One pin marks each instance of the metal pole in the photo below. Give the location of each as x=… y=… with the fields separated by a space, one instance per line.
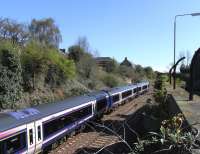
x=174 y=40
x=174 y=74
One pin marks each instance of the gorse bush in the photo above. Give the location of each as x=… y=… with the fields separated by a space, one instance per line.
x=42 y=64
x=10 y=75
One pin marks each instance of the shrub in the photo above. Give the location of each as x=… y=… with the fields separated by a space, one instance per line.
x=172 y=138
x=110 y=80
x=10 y=76
x=42 y=64
x=75 y=53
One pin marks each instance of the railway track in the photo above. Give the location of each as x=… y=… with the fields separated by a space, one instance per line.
x=102 y=133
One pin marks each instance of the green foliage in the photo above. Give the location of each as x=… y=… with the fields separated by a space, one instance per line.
x=10 y=76
x=87 y=66
x=171 y=138
x=75 y=53
x=139 y=69
x=42 y=63
x=149 y=72
x=110 y=80
x=159 y=82
x=112 y=67
x=126 y=71
x=160 y=94
x=65 y=65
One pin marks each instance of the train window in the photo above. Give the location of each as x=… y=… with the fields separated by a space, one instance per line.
x=31 y=136
x=50 y=127
x=39 y=132
x=14 y=144
x=79 y=114
x=135 y=90
x=101 y=104
x=61 y=122
x=144 y=87
x=126 y=93
x=115 y=98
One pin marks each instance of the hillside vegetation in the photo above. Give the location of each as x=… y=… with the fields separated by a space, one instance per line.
x=33 y=70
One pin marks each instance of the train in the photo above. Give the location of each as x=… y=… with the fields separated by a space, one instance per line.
x=33 y=130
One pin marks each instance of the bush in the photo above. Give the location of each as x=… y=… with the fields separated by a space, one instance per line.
x=43 y=64
x=126 y=71
x=171 y=138
x=160 y=90
x=159 y=82
x=10 y=76
x=110 y=80
x=75 y=53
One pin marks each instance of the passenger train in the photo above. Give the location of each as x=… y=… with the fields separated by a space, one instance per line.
x=34 y=129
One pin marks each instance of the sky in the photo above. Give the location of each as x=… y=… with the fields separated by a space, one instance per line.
x=141 y=30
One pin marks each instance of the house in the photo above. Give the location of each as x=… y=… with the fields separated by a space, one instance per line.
x=127 y=63
x=103 y=61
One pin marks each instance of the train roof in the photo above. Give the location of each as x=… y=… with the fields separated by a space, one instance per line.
x=98 y=94
x=14 y=119
x=120 y=89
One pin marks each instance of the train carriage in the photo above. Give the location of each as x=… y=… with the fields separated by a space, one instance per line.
x=33 y=129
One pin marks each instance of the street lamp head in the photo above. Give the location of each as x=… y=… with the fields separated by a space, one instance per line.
x=195 y=14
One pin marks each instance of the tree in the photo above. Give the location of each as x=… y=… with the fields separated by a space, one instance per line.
x=11 y=30
x=111 y=66
x=139 y=69
x=75 y=53
x=45 y=31
x=126 y=71
x=87 y=66
x=83 y=43
x=149 y=72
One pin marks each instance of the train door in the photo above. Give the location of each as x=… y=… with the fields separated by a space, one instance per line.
x=38 y=136
x=31 y=137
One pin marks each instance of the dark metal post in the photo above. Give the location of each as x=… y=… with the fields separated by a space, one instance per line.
x=170 y=74
x=191 y=82
x=174 y=72
x=174 y=75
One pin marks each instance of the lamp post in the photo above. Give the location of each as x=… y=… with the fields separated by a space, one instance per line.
x=180 y=15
